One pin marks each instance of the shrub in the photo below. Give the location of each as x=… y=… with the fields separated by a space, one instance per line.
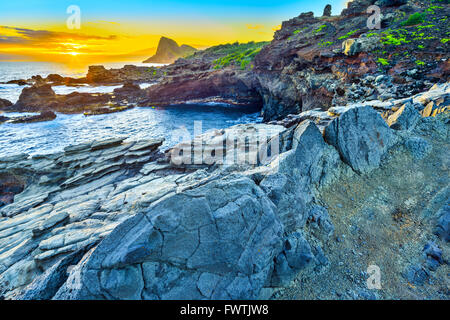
x=348 y=34
x=413 y=19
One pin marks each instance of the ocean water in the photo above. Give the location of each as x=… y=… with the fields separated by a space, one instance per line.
x=134 y=124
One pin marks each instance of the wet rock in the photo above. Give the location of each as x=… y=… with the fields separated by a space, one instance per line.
x=99 y=74
x=361 y=137
x=221 y=86
x=106 y=144
x=19 y=82
x=55 y=78
x=129 y=91
x=129 y=73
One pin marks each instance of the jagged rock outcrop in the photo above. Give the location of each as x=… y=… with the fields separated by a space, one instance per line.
x=322 y=62
x=137 y=225
x=168 y=51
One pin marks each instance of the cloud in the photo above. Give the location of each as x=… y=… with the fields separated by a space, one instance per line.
x=254 y=27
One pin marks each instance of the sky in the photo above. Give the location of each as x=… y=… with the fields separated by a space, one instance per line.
x=37 y=30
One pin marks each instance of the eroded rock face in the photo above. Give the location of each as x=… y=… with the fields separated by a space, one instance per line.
x=99 y=74
x=57 y=208
x=361 y=136
x=168 y=51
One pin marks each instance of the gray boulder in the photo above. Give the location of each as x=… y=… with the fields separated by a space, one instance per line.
x=215 y=241
x=361 y=137
x=296 y=255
